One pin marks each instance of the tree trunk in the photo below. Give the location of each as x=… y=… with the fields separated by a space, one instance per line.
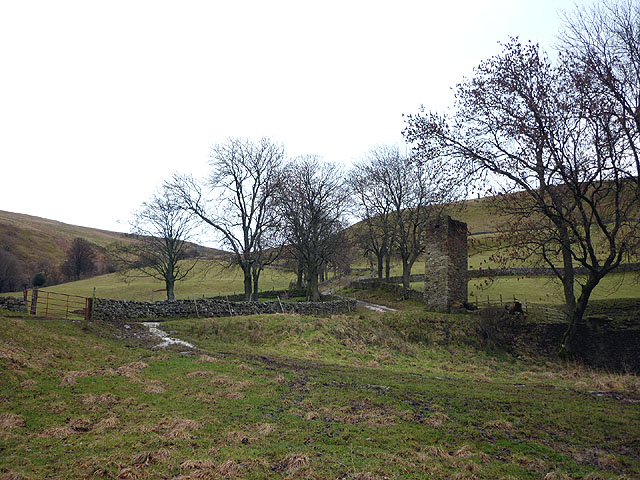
x=568 y=279
x=256 y=277
x=247 y=283
x=300 y=273
x=380 y=265
x=313 y=293
x=169 y=287
x=387 y=267
x=406 y=273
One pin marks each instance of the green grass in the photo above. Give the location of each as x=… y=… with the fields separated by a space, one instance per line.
x=209 y=279
x=545 y=289
x=348 y=396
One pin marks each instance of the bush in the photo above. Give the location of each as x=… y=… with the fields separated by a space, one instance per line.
x=39 y=279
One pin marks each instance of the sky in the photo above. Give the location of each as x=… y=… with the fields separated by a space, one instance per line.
x=101 y=101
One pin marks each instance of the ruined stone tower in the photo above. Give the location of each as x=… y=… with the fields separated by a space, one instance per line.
x=445 y=281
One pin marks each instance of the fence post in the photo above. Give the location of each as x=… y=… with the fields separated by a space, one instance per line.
x=92 y=305
x=34 y=301
x=281 y=307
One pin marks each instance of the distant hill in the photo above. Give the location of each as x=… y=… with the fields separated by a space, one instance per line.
x=40 y=241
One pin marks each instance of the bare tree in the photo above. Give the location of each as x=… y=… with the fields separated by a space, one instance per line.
x=415 y=189
x=236 y=201
x=374 y=207
x=162 y=231
x=542 y=131
x=604 y=41
x=312 y=202
x=80 y=260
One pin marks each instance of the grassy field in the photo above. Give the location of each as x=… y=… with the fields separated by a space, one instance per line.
x=547 y=290
x=210 y=279
x=360 y=396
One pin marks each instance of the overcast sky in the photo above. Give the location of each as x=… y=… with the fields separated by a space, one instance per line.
x=102 y=101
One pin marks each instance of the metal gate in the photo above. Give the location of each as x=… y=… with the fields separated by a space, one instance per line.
x=57 y=305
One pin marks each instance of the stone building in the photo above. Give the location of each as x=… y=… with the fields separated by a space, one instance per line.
x=446 y=252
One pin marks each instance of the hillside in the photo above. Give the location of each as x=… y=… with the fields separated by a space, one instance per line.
x=40 y=241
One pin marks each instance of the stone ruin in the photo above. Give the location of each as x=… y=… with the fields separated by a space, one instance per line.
x=445 y=284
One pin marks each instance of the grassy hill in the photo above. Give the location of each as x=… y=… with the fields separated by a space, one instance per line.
x=39 y=241
x=359 y=396
x=34 y=239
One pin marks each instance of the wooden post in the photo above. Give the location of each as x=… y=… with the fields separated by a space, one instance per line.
x=34 y=301
x=281 y=307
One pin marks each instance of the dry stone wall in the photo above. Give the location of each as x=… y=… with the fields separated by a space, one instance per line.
x=105 y=309
x=13 y=304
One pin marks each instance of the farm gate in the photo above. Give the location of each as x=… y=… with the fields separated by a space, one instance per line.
x=57 y=305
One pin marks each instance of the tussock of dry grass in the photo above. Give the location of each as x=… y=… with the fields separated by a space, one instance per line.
x=28 y=384
x=367 y=476
x=233 y=395
x=9 y=421
x=10 y=476
x=503 y=425
x=177 y=427
x=107 y=424
x=263 y=428
x=131 y=370
x=534 y=464
x=155 y=389
x=229 y=468
x=107 y=399
x=200 y=374
x=57 y=432
x=435 y=451
x=293 y=462
x=464 y=452
x=437 y=419
x=209 y=359
x=556 y=476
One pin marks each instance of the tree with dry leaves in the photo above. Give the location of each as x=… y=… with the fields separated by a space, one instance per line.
x=544 y=136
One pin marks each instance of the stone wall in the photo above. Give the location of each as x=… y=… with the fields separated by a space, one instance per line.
x=542 y=271
x=105 y=309
x=445 y=265
x=289 y=293
x=13 y=304
x=595 y=343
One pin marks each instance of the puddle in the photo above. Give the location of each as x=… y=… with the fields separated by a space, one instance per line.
x=167 y=340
